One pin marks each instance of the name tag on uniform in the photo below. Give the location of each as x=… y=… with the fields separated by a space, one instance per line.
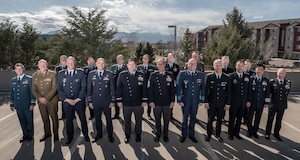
x=47 y=80
x=264 y=83
x=234 y=81
x=25 y=82
x=140 y=83
x=287 y=86
x=105 y=78
x=168 y=79
x=223 y=84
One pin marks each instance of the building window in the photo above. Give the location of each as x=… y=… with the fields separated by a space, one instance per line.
x=298 y=46
x=298 y=29
x=290 y=29
x=289 y=46
x=298 y=38
x=291 y=38
x=274 y=30
x=282 y=38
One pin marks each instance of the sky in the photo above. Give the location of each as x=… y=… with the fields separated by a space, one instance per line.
x=147 y=15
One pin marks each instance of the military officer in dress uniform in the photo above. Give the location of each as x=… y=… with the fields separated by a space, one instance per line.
x=171 y=66
x=190 y=91
x=259 y=98
x=240 y=86
x=280 y=89
x=44 y=83
x=71 y=89
x=147 y=69
x=217 y=98
x=101 y=97
x=23 y=101
x=62 y=65
x=117 y=69
x=225 y=68
x=132 y=94
x=200 y=65
x=87 y=69
x=161 y=93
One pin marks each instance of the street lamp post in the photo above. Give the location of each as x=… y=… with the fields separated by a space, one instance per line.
x=174 y=26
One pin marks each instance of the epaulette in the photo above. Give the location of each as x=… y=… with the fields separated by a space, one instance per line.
x=28 y=76
x=79 y=69
x=226 y=74
x=288 y=81
x=62 y=70
x=272 y=80
x=92 y=71
x=210 y=73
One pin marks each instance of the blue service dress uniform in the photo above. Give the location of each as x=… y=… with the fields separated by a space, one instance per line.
x=21 y=98
x=101 y=92
x=147 y=70
x=73 y=87
x=161 y=91
x=117 y=69
x=87 y=70
x=190 y=90
x=174 y=68
x=132 y=92
x=279 y=94
x=259 y=96
x=240 y=88
x=217 y=95
x=57 y=70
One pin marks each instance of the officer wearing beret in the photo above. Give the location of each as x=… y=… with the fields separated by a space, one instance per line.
x=240 y=86
x=23 y=101
x=117 y=69
x=280 y=89
x=71 y=89
x=62 y=65
x=147 y=70
x=132 y=94
x=44 y=83
x=259 y=98
x=190 y=91
x=87 y=69
x=101 y=97
x=174 y=68
x=161 y=93
x=217 y=98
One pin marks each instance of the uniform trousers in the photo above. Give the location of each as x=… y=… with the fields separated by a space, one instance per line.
x=212 y=112
x=138 y=112
x=160 y=111
x=235 y=119
x=26 y=121
x=98 y=114
x=189 y=111
x=253 y=128
x=271 y=114
x=46 y=110
x=70 y=113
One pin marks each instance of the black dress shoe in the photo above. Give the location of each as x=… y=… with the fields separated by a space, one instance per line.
x=138 y=138
x=207 y=138
x=182 y=139
x=249 y=135
x=44 y=138
x=56 y=138
x=172 y=118
x=150 y=118
x=220 y=139
x=69 y=141
x=61 y=118
x=111 y=139
x=97 y=138
x=156 y=138
x=127 y=139
x=87 y=138
x=230 y=137
x=278 y=138
x=193 y=139
x=91 y=117
x=267 y=137
x=238 y=137
x=23 y=139
x=255 y=136
x=166 y=139
x=116 y=117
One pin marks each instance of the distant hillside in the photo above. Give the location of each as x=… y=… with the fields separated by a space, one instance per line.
x=139 y=37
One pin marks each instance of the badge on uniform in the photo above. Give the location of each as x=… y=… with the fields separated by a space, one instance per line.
x=64 y=81
x=25 y=82
x=47 y=80
x=168 y=79
x=168 y=84
x=94 y=77
x=212 y=82
x=106 y=78
x=140 y=83
x=287 y=86
x=246 y=79
x=223 y=84
x=140 y=78
x=185 y=83
x=199 y=80
x=76 y=80
x=264 y=83
x=234 y=81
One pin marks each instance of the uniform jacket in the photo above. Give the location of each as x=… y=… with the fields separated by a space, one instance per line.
x=101 y=90
x=250 y=72
x=21 y=96
x=218 y=91
x=240 y=88
x=147 y=72
x=228 y=70
x=59 y=68
x=71 y=87
x=116 y=71
x=190 y=89
x=45 y=86
x=174 y=69
x=88 y=69
x=260 y=92
x=279 y=93
x=131 y=89
x=161 y=89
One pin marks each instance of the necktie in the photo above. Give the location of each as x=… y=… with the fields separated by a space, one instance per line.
x=281 y=82
x=171 y=65
x=193 y=74
x=71 y=73
x=241 y=76
x=19 y=79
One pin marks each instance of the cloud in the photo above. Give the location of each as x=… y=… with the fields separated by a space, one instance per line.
x=258 y=17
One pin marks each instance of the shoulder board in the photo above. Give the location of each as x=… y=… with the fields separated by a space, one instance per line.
x=225 y=74
x=93 y=71
x=289 y=81
x=210 y=74
x=14 y=78
x=51 y=71
x=79 y=69
x=27 y=76
x=272 y=80
x=139 y=72
x=62 y=70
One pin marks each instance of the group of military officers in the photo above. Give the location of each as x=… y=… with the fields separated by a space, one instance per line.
x=243 y=92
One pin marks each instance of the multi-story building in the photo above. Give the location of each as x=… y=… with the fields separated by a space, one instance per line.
x=282 y=36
